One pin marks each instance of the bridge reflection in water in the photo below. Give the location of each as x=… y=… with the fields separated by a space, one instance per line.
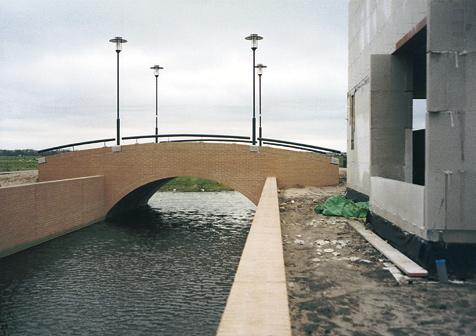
x=167 y=271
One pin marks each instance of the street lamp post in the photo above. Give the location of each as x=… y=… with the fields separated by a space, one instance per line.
x=118 y=41
x=156 y=69
x=254 y=38
x=260 y=68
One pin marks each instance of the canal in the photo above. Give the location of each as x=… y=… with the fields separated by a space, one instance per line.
x=164 y=271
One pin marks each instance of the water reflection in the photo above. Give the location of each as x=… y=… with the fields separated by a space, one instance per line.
x=166 y=271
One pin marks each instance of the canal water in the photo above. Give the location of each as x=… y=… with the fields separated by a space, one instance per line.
x=165 y=271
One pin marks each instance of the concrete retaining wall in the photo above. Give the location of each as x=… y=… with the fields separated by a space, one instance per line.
x=399 y=202
x=258 y=301
x=33 y=213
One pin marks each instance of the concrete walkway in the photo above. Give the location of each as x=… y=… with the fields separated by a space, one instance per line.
x=258 y=301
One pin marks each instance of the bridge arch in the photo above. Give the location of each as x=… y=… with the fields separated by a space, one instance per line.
x=139 y=196
x=138 y=170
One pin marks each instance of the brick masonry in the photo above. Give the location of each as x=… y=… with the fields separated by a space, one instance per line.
x=79 y=188
x=33 y=213
x=236 y=166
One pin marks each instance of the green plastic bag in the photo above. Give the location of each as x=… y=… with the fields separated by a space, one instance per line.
x=342 y=207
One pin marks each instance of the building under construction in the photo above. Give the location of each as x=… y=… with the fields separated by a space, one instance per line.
x=412 y=122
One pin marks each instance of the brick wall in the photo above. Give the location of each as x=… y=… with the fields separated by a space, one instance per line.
x=231 y=164
x=33 y=213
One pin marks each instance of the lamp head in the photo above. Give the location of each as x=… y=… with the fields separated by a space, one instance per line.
x=254 y=38
x=260 y=68
x=118 y=41
x=156 y=69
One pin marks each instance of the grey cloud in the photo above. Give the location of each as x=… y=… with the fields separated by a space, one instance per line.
x=57 y=65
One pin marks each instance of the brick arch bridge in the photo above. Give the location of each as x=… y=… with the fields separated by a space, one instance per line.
x=132 y=173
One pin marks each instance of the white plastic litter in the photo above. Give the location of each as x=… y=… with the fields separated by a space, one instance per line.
x=321 y=242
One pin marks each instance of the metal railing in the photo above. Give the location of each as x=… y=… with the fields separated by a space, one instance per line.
x=294 y=147
x=187 y=135
x=206 y=138
x=76 y=144
x=298 y=145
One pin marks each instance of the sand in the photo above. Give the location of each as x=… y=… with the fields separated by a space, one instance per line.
x=18 y=177
x=337 y=284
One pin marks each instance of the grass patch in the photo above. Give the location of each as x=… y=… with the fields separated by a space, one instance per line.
x=13 y=163
x=192 y=184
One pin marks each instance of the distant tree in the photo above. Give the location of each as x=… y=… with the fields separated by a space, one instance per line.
x=28 y=152
x=18 y=152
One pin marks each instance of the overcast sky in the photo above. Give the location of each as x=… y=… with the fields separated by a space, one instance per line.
x=57 y=69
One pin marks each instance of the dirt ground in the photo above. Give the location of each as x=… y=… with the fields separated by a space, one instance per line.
x=18 y=177
x=337 y=284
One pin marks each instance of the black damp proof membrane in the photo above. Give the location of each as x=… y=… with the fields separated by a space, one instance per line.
x=355 y=195
x=460 y=258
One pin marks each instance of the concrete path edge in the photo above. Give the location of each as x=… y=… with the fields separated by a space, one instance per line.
x=258 y=300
